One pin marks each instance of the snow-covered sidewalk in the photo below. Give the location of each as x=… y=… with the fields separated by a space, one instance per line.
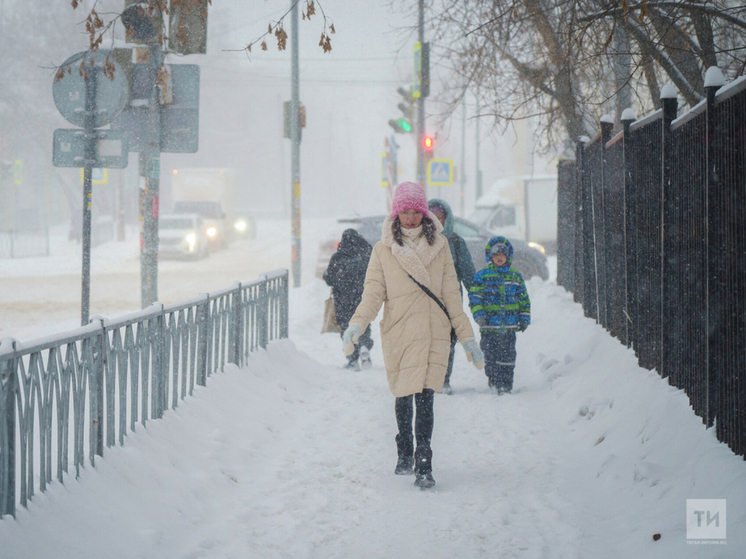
x=591 y=456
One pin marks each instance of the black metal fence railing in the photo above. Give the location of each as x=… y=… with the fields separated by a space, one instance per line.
x=101 y=380
x=652 y=243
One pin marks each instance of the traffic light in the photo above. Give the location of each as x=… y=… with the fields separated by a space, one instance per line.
x=143 y=23
x=428 y=143
x=403 y=124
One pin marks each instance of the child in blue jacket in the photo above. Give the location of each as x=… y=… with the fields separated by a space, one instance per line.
x=499 y=302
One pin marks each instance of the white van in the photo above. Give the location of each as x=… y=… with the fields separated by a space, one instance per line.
x=521 y=207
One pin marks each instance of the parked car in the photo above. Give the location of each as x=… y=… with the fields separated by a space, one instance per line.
x=527 y=260
x=182 y=236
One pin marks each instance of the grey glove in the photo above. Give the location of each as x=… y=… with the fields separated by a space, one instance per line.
x=522 y=325
x=474 y=353
x=350 y=337
x=482 y=321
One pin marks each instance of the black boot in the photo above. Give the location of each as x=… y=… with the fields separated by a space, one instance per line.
x=423 y=468
x=405 y=448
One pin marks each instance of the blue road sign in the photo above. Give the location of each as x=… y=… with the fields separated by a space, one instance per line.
x=440 y=172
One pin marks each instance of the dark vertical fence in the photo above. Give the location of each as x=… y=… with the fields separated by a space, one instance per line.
x=652 y=243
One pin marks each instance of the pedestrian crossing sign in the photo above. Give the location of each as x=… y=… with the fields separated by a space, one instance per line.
x=98 y=175
x=440 y=172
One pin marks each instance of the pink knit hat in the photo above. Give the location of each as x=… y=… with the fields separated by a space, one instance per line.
x=409 y=196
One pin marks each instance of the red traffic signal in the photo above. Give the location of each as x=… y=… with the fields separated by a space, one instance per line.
x=428 y=143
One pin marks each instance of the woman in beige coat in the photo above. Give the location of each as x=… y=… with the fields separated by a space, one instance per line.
x=415 y=329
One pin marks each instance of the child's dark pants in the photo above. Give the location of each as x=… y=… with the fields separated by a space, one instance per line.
x=499 y=358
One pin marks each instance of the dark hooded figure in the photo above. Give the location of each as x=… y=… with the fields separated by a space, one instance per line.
x=346 y=276
x=461 y=261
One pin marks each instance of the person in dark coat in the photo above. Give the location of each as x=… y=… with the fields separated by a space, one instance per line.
x=346 y=276
x=461 y=260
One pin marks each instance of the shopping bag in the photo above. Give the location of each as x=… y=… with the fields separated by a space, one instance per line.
x=330 y=317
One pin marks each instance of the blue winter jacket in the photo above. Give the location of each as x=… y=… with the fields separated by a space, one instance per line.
x=499 y=294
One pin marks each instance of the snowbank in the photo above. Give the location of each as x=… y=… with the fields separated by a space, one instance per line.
x=292 y=456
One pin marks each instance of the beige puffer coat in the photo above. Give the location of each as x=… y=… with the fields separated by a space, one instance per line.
x=415 y=332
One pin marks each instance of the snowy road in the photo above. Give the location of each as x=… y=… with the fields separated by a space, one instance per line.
x=293 y=457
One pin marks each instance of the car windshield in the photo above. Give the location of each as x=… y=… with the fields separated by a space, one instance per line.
x=175 y=223
x=210 y=210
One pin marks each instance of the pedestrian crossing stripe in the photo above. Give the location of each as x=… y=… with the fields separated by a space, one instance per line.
x=440 y=172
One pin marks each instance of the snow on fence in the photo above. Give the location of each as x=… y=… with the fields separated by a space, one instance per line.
x=101 y=379
x=652 y=242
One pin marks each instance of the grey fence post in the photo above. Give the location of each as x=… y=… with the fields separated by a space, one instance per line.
x=97 y=407
x=262 y=313
x=285 y=308
x=202 y=336
x=8 y=434
x=236 y=330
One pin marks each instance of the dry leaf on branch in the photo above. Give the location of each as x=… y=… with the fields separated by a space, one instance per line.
x=643 y=11
x=264 y=45
x=282 y=38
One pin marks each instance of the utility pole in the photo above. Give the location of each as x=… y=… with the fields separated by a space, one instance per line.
x=89 y=158
x=463 y=156
x=295 y=140
x=150 y=173
x=421 y=178
x=479 y=170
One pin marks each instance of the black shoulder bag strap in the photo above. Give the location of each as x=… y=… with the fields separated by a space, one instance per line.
x=434 y=298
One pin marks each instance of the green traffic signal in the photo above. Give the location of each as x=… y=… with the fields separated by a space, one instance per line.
x=400 y=125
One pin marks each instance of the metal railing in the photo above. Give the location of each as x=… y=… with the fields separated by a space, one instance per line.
x=102 y=379
x=656 y=247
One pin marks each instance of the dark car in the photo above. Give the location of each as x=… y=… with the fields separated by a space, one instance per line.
x=528 y=261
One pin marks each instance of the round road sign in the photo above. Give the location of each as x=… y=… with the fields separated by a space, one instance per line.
x=69 y=92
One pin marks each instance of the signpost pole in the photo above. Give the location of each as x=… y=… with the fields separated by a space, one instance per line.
x=421 y=103
x=295 y=157
x=89 y=157
x=150 y=167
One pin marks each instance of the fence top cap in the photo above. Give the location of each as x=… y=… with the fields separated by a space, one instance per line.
x=669 y=91
x=714 y=77
x=608 y=119
x=7 y=346
x=628 y=114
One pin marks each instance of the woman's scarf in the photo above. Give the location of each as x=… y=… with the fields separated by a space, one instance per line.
x=417 y=253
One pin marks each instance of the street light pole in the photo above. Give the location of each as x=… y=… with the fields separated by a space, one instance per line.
x=421 y=105
x=89 y=156
x=150 y=170
x=295 y=155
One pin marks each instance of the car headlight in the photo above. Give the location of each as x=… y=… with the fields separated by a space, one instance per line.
x=191 y=240
x=241 y=225
x=538 y=247
x=211 y=231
